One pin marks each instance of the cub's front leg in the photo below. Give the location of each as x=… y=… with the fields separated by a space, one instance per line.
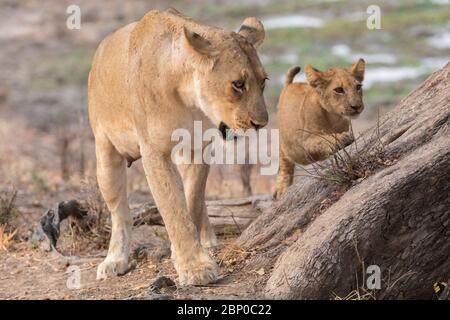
x=320 y=147
x=192 y=262
x=285 y=175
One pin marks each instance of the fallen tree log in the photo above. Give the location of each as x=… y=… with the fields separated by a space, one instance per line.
x=319 y=238
x=223 y=214
x=226 y=216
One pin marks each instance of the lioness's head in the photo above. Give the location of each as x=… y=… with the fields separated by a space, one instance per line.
x=229 y=79
x=340 y=89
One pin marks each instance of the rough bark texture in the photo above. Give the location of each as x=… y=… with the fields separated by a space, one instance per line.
x=320 y=240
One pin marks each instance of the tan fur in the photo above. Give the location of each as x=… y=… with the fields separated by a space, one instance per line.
x=310 y=116
x=148 y=79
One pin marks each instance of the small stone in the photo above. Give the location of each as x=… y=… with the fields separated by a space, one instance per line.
x=161 y=283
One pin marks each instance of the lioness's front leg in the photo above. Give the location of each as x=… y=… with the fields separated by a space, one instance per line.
x=193 y=263
x=112 y=181
x=194 y=181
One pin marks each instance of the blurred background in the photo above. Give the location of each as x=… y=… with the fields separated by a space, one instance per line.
x=46 y=147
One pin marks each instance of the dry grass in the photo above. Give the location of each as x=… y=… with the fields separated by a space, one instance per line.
x=94 y=230
x=232 y=254
x=7 y=208
x=347 y=166
x=7 y=212
x=6 y=239
x=360 y=294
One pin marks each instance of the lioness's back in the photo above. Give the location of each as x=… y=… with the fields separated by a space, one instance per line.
x=108 y=84
x=107 y=79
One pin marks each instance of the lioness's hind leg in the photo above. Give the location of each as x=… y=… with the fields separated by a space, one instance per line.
x=112 y=181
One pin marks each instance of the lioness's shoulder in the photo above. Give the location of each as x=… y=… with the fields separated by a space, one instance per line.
x=170 y=19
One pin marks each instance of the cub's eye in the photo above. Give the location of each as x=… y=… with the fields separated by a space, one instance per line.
x=358 y=87
x=339 y=90
x=239 y=85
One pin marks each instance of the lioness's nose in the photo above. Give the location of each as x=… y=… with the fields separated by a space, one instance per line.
x=356 y=108
x=256 y=125
x=259 y=119
x=259 y=123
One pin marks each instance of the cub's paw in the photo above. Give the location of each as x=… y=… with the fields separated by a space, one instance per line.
x=111 y=267
x=346 y=139
x=198 y=274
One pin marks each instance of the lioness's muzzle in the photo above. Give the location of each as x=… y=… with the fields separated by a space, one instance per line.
x=223 y=130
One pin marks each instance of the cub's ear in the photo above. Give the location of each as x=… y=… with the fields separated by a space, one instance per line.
x=315 y=77
x=199 y=44
x=253 y=30
x=357 y=70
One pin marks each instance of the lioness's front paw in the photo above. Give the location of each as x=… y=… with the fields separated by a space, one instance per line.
x=200 y=274
x=111 y=268
x=209 y=241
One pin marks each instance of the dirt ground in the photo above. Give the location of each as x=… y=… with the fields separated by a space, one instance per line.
x=42 y=139
x=29 y=273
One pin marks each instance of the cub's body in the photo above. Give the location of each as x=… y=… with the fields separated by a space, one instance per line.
x=314 y=118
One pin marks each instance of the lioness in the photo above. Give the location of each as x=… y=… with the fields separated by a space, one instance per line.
x=149 y=78
x=314 y=118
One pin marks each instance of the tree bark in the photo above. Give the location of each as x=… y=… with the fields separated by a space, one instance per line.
x=320 y=238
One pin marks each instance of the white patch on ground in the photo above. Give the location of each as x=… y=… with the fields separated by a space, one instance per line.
x=385 y=74
x=382 y=74
x=292 y=21
x=443 y=2
x=440 y=40
x=393 y=74
x=343 y=51
x=286 y=57
x=435 y=63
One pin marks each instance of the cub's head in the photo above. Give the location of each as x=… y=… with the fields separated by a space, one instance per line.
x=229 y=79
x=340 y=89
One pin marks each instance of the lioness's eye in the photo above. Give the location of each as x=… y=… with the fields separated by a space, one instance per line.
x=339 y=90
x=238 y=85
x=263 y=85
x=358 y=87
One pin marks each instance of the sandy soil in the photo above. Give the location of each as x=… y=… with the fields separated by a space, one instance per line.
x=29 y=273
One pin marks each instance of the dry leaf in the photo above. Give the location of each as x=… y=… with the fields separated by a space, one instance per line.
x=260 y=272
x=6 y=239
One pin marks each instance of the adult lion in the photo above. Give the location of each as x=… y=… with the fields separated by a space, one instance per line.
x=148 y=79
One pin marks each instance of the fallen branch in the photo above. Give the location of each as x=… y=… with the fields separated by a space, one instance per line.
x=223 y=214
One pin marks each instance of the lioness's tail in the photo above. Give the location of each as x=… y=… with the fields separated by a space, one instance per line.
x=290 y=75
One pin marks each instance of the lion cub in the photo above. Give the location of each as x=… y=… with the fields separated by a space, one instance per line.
x=314 y=118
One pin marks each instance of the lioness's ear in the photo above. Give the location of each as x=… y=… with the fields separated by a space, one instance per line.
x=357 y=70
x=315 y=77
x=253 y=30
x=199 y=44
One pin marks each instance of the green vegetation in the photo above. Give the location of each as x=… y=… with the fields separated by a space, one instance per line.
x=406 y=27
x=69 y=67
